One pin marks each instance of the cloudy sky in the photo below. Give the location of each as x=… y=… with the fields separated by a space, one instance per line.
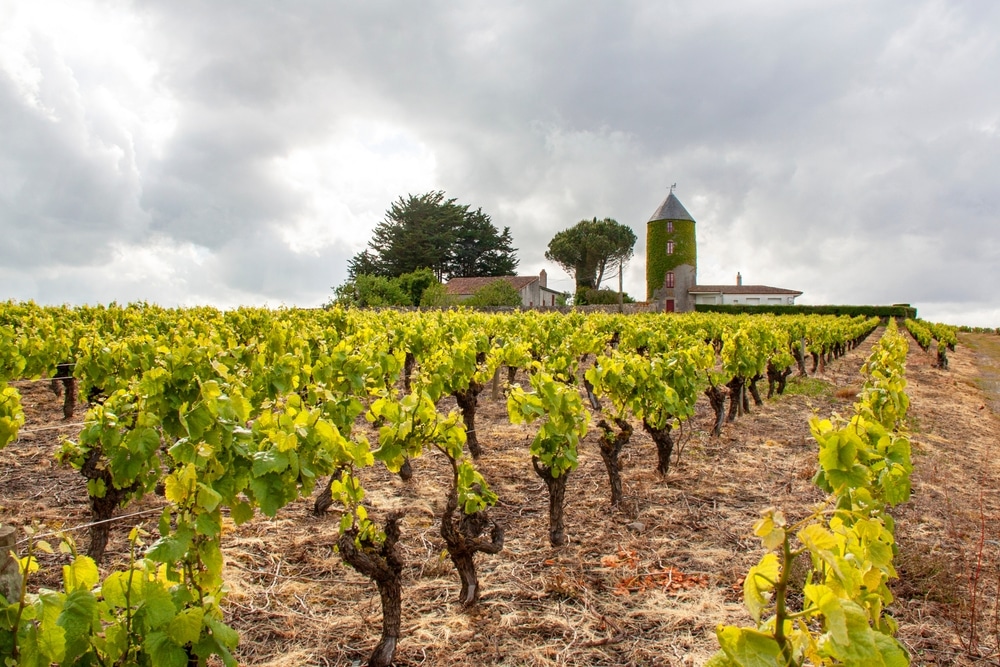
x=239 y=152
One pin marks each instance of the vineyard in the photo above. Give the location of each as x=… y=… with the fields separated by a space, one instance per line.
x=328 y=487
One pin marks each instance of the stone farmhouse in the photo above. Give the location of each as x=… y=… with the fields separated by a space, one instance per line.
x=534 y=290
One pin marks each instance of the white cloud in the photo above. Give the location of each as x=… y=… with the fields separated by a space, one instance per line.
x=347 y=182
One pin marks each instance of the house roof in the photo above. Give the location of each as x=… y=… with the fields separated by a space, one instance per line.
x=671 y=209
x=740 y=289
x=464 y=286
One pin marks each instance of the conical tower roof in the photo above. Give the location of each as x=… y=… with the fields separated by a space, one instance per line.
x=671 y=209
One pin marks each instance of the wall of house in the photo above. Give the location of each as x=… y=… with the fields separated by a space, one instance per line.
x=533 y=296
x=757 y=299
x=530 y=295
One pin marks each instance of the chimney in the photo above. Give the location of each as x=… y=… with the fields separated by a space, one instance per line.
x=543 y=278
x=739 y=278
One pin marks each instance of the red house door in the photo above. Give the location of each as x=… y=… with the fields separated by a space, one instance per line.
x=670 y=306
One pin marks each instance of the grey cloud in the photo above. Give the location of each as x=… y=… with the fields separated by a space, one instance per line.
x=66 y=189
x=260 y=264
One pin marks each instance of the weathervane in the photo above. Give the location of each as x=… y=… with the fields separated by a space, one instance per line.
x=672 y=188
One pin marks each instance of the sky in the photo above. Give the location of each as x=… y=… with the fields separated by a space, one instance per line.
x=240 y=152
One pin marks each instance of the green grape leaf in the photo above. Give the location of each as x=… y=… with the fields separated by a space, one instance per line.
x=81 y=574
x=157 y=605
x=185 y=628
x=78 y=616
x=114 y=588
x=170 y=548
x=241 y=512
x=271 y=460
x=163 y=651
x=759 y=583
x=749 y=648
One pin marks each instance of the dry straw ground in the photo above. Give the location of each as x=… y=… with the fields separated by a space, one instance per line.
x=645 y=585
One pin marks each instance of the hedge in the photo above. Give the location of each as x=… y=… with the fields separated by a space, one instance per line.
x=867 y=311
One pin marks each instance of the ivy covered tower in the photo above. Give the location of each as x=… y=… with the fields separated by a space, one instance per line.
x=671 y=256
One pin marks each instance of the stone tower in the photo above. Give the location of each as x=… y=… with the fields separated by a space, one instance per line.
x=671 y=256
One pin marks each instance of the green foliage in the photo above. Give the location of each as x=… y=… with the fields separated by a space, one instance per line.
x=416 y=283
x=369 y=291
x=564 y=420
x=656 y=388
x=135 y=616
x=11 y=415
x=865 y=467
x=589 y=248
x=497 y=293
x=436 y=296
x=603 y=296
x=980 y=330
x=429 y=231
x=375 y=291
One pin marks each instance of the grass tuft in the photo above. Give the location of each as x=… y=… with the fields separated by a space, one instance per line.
x=808 y=386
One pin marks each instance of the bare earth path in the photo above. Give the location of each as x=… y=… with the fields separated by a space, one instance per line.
x=644 y=585
x=948 y=536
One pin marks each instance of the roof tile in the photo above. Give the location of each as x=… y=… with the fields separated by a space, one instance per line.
x=464 y=286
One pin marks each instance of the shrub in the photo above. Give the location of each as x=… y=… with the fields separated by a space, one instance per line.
x=497 y=293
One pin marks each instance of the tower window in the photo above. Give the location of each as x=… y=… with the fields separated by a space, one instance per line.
x=670 y=226
x=669 y=281
x=670 y=247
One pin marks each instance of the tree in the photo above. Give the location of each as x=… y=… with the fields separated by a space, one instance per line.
x=429 y=231
x=478 y=250
x=587 y=249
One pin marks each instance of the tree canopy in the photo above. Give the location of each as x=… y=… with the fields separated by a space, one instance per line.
x=430 y=231
x=589 y=247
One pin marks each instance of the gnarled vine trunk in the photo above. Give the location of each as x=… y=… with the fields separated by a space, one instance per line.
x=717 y=399
x=64 y=384
x=384 y=565
x=736 y=398
x=467 y=400
x=800 y=359
x=557 y=499
x=463 y=539
x=664 y=446
x=611 y=444
x=102 y=509
x=776 y=380
x=754 y=391
x=595 y=402
x=325 y=497
x=409 y=363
